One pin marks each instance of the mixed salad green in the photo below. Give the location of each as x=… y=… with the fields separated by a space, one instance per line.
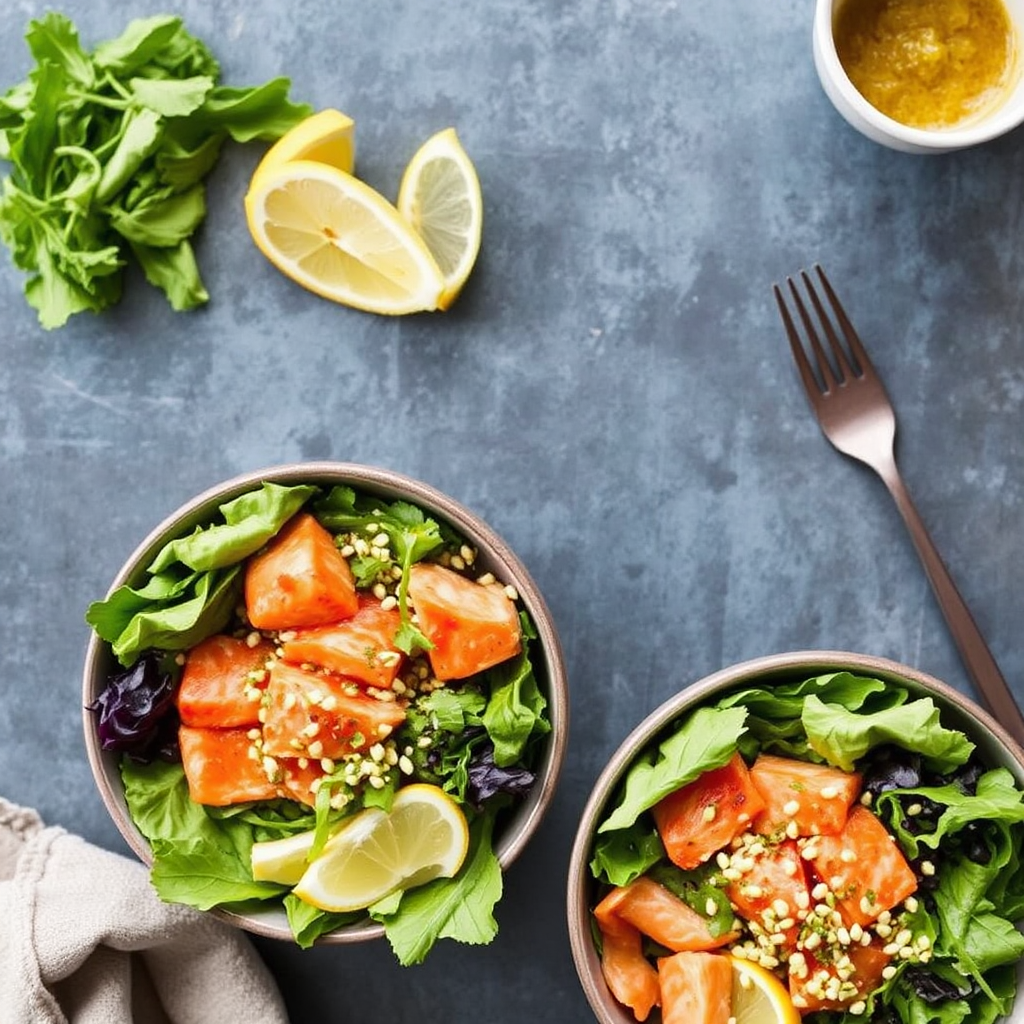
x=479 y=739
x=960 y=820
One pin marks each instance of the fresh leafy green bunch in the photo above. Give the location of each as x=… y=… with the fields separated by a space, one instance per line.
x=109 y=150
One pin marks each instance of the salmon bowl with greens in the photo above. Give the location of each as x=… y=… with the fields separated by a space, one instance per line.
x=327 y=703
x=820 y=837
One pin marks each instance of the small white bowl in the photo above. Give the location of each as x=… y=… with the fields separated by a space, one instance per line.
x=882 y=129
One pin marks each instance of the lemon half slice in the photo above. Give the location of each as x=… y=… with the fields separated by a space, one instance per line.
x=328 y=137
x=758 y=997
x=440 y=197
x=282 y=860
x=338 y=237
x=424 y=836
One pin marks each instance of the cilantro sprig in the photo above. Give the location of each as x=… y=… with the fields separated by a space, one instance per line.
x=108 y=152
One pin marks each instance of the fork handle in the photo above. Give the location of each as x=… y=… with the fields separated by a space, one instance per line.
x=974 y=652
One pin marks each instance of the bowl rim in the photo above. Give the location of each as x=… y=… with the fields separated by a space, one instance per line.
x=389 y=484
x=811 y=661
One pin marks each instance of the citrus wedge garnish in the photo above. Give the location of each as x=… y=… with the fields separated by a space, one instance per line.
x=328 y=137
x=440 y=197
x=424 y=836
x=336 y=236
x=758 y=997
x=282 y=860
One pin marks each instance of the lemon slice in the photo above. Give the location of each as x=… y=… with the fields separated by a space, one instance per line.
x=440 y=197
x=336 y=236
x=282 y=860
x=328 y=137
x=424 y=836
x=758 y=997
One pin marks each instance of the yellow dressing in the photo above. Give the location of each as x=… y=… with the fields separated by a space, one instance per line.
x=928 y=63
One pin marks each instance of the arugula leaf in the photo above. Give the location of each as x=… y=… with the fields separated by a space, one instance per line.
x=621 y=856
x=101 y=144
x=308 y=923
x=460 y=908
x=706 y=740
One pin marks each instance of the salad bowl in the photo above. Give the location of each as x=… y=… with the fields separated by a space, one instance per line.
x=625 y=831
x=519 y=815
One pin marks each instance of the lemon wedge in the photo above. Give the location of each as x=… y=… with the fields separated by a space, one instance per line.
x=374 y=853
x=758 y=997
x=440 y=197
x=336 y=236
x=328 y=137
x=282 y=860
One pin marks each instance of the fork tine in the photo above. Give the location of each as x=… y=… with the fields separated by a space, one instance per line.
x=864 y=364
x=827 y=375
x=811 y=384
x=845 y=368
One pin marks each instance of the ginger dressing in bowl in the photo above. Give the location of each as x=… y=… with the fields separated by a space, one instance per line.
x=932 y=64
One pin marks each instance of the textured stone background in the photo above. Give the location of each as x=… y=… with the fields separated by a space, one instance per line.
x=612 y=391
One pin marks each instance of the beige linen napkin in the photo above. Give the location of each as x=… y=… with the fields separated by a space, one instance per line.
x=84 y=939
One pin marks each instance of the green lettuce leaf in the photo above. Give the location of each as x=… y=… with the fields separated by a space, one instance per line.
x=842 y=737
x=515 y=709
x=250 y=520
x=707 y=739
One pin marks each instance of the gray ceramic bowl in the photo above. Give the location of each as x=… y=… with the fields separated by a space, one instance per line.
x=994 y=745
x=494 y=555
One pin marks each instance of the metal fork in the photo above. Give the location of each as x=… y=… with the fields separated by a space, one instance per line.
x=855 y=414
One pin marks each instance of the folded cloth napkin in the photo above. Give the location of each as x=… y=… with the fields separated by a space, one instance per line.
x=84 y=939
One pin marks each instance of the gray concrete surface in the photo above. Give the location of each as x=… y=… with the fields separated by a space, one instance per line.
x=612 y=391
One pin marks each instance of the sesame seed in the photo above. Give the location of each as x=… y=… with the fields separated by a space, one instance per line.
x=914 y=810
x=486 y=579
x=781 y=907
x=789 y=868
x=388 y=603
x=511 y=593
x=927 y=867
x=911 y=904
x=830 y=792
x=327 y=765
x=405 y=766
x=792 y=829
x=376 y=782
x=708 y=814
x=377 y=752
x=791 y=807
x=820 y=891
x=253 y=639
x=802 y=899
x=813 y=941
x=316 y=749
x=888 y=972
x=866 y=798
x=311 y=729
x=289 y=701
x=847 y=856
x=710 y=907
x=858 y=1008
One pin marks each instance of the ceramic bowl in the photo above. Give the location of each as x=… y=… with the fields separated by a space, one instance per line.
x=494 y=555
x=994 y=744
x=882 y=129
